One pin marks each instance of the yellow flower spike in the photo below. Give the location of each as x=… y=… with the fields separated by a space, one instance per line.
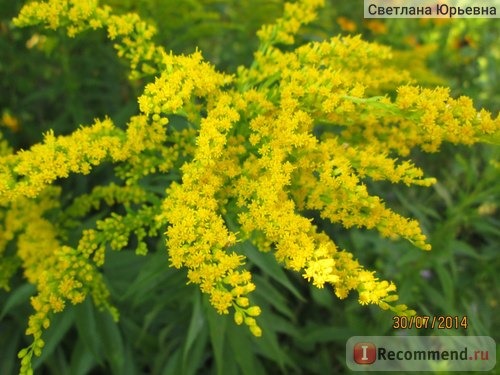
x=59 y=272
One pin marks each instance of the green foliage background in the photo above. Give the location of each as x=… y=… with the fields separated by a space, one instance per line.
x=167 y=327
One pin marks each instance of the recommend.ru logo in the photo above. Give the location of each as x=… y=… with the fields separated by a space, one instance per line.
x=421 y=353
x=364 y=353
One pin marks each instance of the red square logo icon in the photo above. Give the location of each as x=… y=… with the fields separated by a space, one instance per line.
x=365 y=353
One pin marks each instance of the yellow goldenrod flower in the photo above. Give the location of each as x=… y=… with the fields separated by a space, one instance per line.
x=347 y=24
x=10 y=121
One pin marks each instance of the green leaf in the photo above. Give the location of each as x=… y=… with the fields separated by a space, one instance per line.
x=59 y=325
x=10 y=337
x=82 y=360
x=493 y=139
x=268 y=293
x=217 y=327
x=322 y=296
x=321 y=334
x=267 y=262
x=57 y=363
x=195 y=327
x=17 y=297
x=373 y=99
x=443 y=193
x=375 y=102
x=174 y=364
x=112 y=342
x=241 y=347
x=152 y=273
x=197 y=355
x=463 y=248
x=87 y=328
x=437 y=299
x=446 y=283
x=487 y=228
x=120 y=269
x=130 y=366
x=268 y=344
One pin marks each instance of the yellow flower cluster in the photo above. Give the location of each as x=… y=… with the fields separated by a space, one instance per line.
x=325 y=75
x=29 y=172
x=339 y=269
x=60 y=273
x=116 y=231
x=268 y=179
x=340 y=196
x=197 y=235
x=294 y=16
x=298 y=130
x=133 y=34
x=5 y=148
x=422 y=118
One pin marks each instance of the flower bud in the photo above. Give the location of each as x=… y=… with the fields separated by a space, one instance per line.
x=254 y=311
x=242 y=301
x=22 y=353
x=238 y=317
x=256 y=331
x=250 y=322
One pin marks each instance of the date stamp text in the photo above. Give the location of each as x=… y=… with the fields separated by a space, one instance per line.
x=430 y=322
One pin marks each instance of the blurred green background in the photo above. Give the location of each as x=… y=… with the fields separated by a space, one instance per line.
x=50 y=81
